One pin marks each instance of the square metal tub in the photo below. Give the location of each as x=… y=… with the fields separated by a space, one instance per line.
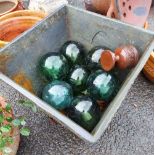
x=70 y=23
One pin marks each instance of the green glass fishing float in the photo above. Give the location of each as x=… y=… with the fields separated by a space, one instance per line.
x=102 y=85
x=58 y=94
x=85 y=112
x=74 y=52
x=54 y=66
x=78 y=78
x=93 y=57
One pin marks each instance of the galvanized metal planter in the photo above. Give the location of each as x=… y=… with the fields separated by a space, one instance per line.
x=69 y=23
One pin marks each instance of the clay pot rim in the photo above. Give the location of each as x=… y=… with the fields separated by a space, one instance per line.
x=26 y=18
x=22 y=13
x=14 y=7
x=39 y=16
x=6 y=23
x=6 y=26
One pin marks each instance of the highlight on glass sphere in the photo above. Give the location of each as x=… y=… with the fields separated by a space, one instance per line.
x=93 y=57
x=85 y=112
x=58 y=94
x=54 y=66
x=74 y=52
x=78 y=78
x=102 y=85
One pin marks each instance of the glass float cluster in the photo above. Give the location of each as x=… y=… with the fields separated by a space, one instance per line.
x=78 y=82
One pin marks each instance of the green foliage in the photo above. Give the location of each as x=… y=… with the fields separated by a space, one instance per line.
x=4 y=140
x=8 y=107
x=9 y=119
x=16 y=122
x=1 y=118
x=6 y=128
x=25 y=131
x=22 y=121
x=6 y=150
x=28 y=104
x=7 y=123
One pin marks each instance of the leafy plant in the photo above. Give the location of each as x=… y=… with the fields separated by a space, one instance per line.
x=8 y=122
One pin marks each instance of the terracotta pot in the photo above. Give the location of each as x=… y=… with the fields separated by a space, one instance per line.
x=15 y=131
x=20 y=6
x=101 y=6
x=20 y=13
x=104 y=7
x=129 y=11
x=7 y=6
x=134 y=12
x=148 y=69
x=11 y=28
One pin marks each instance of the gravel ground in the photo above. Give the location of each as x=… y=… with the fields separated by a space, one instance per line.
x=129 y=133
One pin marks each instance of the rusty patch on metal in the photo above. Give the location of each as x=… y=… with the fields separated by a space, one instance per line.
x=23 y=81
x=4 y=58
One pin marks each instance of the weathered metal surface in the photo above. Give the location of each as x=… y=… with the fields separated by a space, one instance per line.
x=4 y=58
x=88 y=28
x=26 y=52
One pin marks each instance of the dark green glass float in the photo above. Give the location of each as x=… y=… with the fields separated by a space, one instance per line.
x=58 y=94
x=78 y=78
x=85 y=112
x=93 y=57
x=102 y=85
x=74 y=52
x=54 y=66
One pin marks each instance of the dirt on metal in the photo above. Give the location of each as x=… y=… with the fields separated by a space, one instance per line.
x=4 y=58
x=23 y=81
